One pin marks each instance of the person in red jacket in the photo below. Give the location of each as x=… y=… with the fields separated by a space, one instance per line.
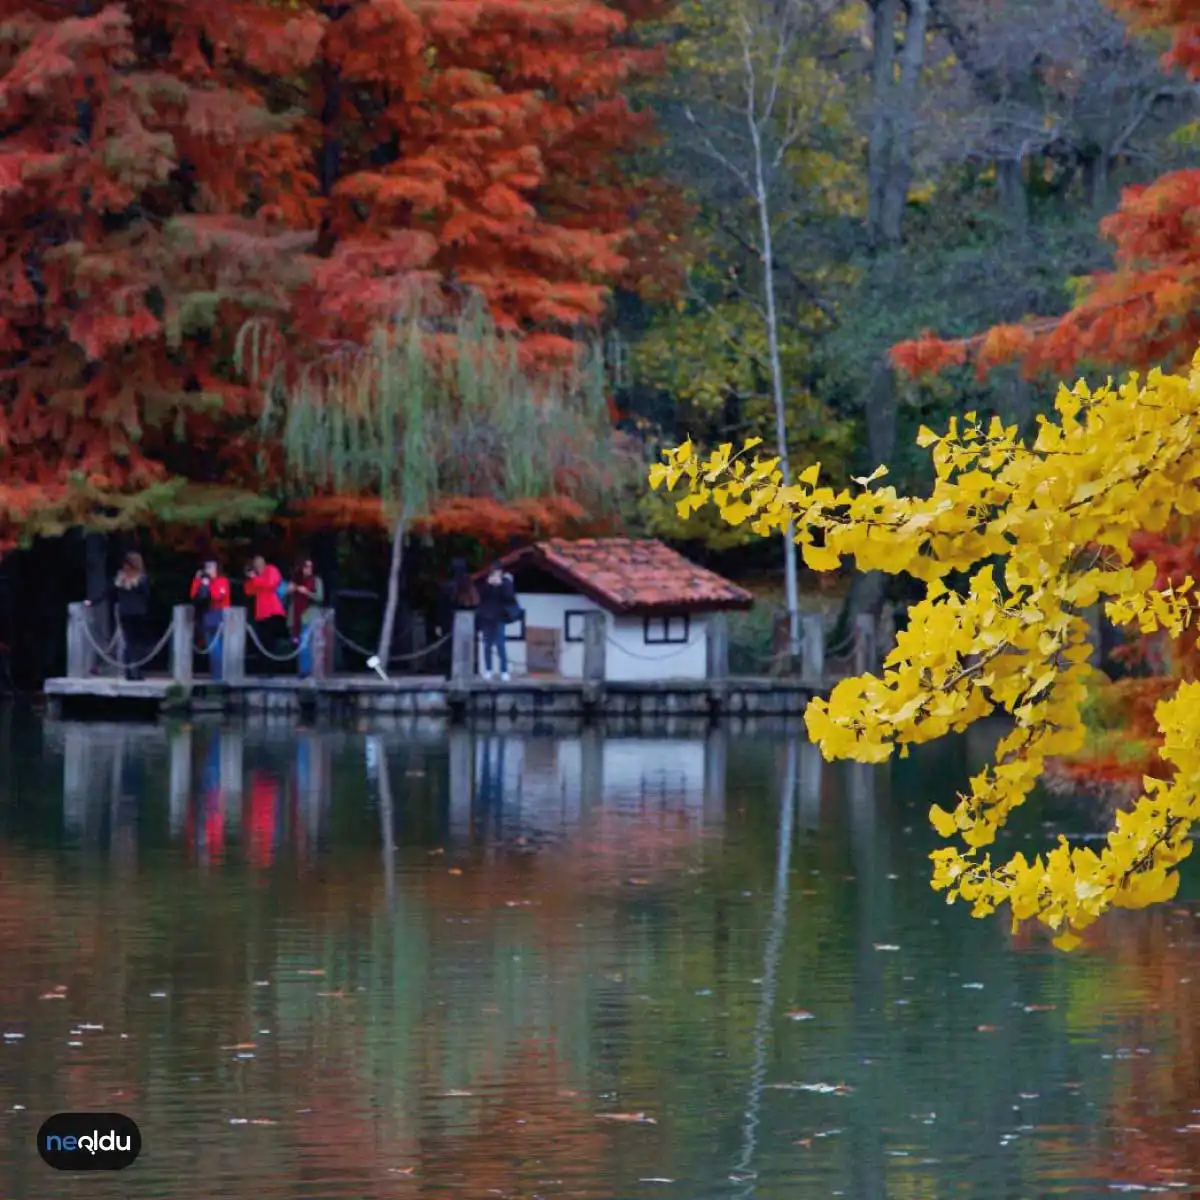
x=211 y=594
x=264 y=583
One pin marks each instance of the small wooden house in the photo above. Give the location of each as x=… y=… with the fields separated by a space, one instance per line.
x=656 y=604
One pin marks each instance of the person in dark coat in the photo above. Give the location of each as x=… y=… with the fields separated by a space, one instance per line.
x=497 y=604
x=456 y=594
x=130 y=597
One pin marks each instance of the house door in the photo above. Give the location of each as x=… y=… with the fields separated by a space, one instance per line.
x=541 y=651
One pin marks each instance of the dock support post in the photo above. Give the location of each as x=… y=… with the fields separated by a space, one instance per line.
x=321 y=647
x=811 y=771
x=80 y=655
x=865 y=644
x=232 y=772
x=887 y=632
x=462 y=657
x=718 y=646
x=233 y=646
x=183 y=643
x=591 y=771
x=716 y=758
x=594 y=644
x=462 y=764
x=181 y=779
x=812 y=650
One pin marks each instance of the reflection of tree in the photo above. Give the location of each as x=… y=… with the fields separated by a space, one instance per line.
x=1152 y=1123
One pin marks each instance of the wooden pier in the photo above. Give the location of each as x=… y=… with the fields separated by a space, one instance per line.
x=357 y=696
x=93 y=687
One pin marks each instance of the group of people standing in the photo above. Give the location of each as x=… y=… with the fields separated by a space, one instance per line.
x=283 y=608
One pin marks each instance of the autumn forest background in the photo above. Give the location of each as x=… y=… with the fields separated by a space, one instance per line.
x=834 y=220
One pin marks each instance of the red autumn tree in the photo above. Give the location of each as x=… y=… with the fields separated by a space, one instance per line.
x=137 y=163
x=167 y=171
x=1146 y=311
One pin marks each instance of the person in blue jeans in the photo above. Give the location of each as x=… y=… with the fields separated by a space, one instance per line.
x=211 y=594
x=497 y=606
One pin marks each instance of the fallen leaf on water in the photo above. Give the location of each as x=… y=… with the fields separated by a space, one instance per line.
x=637 y=882
x=434 y=853
x=314 y=971
x=821 y=1089
x=455 y=871
x=886 y=947
x=263 y=1121
x=656 y=1179
x=333 y=995
x=986 y=1028
x=1030 y=1008
x=54 y=996
x=456 y=1093
x=241 y=1046
x=805 y=1142
x=401 y=1170
x=798 y=1014
x=638 y=1118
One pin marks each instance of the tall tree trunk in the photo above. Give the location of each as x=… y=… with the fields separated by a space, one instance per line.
x=393 y=594
x=879 y=139
x=763 y=201
x=899 y=167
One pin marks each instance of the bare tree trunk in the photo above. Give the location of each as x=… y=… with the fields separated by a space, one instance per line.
x=879 y=139
x=904 y=104
x=763 y=201
x=393 y=597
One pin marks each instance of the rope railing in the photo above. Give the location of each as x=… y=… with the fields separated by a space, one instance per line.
x=290 y=656
x=103 y=654
x=681 y=649
x=394 y=658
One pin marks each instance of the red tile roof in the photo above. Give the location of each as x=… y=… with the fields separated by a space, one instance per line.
x=628 y=576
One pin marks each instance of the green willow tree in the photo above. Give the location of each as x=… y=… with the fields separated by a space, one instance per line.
x=439 y=404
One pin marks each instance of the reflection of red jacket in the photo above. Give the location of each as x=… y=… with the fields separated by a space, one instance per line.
x=261 y=818
x=265 y=590
x=219 y=592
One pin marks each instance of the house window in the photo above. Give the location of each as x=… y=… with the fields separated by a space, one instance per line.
x=667 y=631
x=515 y=630
x=573 y=625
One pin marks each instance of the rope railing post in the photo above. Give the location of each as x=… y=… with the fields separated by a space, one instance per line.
x=233 y=646
x=595 y=643
x=321 y=632
x=865 y=644
x=812 y=650
x=80 y=656
x=718 y=646
x=462 y=657
x=183 y=640
x=887 y=631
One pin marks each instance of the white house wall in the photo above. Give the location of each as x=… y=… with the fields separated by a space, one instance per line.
x=628 y=658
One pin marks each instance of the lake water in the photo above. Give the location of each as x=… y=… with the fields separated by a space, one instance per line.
x=328 y=965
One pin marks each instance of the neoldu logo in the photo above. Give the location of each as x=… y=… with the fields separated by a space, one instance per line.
x=89 y=1141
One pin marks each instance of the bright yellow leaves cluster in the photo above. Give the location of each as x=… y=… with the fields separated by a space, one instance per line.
x=1044 y=532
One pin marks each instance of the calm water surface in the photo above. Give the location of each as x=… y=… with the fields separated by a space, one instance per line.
x=329 y=965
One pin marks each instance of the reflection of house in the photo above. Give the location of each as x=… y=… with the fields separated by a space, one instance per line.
x=550 y=786
x=656 y=607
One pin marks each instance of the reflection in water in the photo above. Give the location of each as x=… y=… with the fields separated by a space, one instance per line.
x=588 y=967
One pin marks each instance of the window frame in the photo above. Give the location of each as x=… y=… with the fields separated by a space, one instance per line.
x=568 y=637
x=665 y=622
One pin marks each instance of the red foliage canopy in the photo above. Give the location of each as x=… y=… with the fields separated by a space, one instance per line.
x=168 y=170
x=1145 y=312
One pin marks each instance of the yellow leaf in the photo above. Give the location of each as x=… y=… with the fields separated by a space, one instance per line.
x=810 y=475
x=820 y=558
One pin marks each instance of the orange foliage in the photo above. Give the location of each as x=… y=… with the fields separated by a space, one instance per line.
x=1145 y=312
x=167 y=170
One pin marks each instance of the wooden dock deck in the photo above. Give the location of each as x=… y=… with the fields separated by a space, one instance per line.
x=532 y=698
